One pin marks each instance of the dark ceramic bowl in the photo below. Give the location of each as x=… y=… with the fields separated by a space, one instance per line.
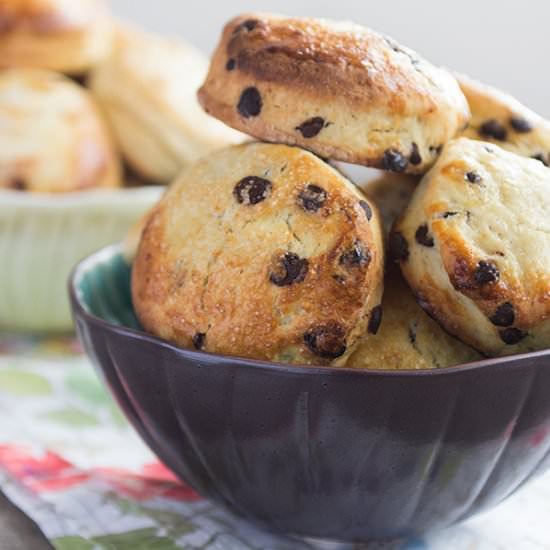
x=320 y=452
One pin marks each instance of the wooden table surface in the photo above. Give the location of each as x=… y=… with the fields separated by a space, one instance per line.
x=17 y=531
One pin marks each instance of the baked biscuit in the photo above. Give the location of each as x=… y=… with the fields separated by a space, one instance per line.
x=59 y=35
x=147 y=88
x=408 y=339
x=499 y=118
x=390 y=193
x=474 y=244
x=261 y=251
x=53 y=138
x=340 y=90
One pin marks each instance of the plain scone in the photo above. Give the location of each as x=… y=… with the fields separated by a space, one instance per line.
x=147 y=87
x=499 y=118
x=340 y=90
x=53 y=137
x=59 y=35
x=261 y=251
x=474 y=245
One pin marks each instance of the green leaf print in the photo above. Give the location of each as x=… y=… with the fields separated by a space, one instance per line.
x=73 y=543
x=142 y=539
x=84 y=383
x=72 y=417
x=21 y=383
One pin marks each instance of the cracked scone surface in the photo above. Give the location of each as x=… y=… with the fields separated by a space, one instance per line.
x=474 y=244
x=59 y=35
x=148 y=87
x=499 y=118
x=340 y=90
x=407 y=338
x=53 y=138
x=261 y=251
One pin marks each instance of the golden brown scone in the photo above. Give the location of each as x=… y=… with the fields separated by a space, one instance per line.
x=147 y=87
x=474 y=244
x=52 y=136
x=390 y=193
x=261 y=251
x=408 y=339
x=59 y=35
x=337 y=89
x=499 y=118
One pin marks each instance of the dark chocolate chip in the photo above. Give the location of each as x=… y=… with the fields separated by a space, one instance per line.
x=399 y=247
x=486 y=273
x=17 y=184
x=504 y=315
x=542 y=158
x=248 y=25
x=394 y=161
x=312 y=197
x=449 y=214
x=423 y=237
x=290 y=269
x=436 y=149
x=472 y=177
x=327 y=340
x=231 y=64
x=412 y=335
x=520 y=125
x=358 y=255
x=366 y=207
x=415 y=158
x=311 y=127
x=511 y=336
x=198 y=340
x=375 y=320
x=250 y=103
x=252 y=190
x=493 y=129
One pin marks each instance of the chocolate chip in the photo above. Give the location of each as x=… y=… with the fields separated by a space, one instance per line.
x=358 y=255
x=412 y=335
x=231 y=64
x=312 y=197
x=542 y=158
x=436 y=150
x=252 y=190
x=311 y=127
x=449 y=214
x=423 y=237
x=504 y=315
x=327 y=340
x=511 y=336
x=394 y=161
x=493 y=129
x=198 y=340
x=366 y=207
x=415 y=158
x=248 y=25
x=472 y=177
x=17 y=184
x=520 y=125
x=486 y=272
x=290 y=269
x=250 y=103
x=399 y=247
x=375 y=320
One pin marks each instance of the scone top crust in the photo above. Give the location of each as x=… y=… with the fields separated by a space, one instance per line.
x=53 y=138
x=261 y=251
x=338 y=89
x=474 y=244
x=63 y=35
x=501 y=119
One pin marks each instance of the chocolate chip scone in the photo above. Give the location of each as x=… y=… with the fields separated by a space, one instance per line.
x=499 y=118
x=407 y=338
x=261 y=251
x=340 y=90
x=52 y=138
x=474 y=245
x=59 y=35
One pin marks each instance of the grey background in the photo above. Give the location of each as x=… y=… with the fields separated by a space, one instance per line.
x=504 y=43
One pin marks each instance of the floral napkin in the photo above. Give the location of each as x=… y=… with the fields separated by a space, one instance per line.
x=71 y=462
